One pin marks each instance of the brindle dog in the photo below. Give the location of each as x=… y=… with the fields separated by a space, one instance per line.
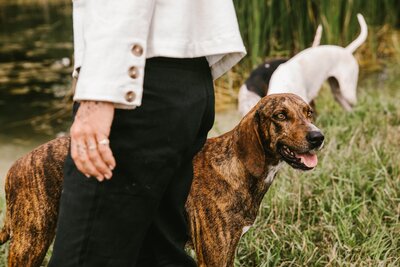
x=232 y=173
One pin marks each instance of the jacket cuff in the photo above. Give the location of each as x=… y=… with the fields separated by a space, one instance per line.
x=113 y=39
x=113 y=70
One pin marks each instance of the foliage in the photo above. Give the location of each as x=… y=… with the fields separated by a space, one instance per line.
x=347 y=211
x=284 y=27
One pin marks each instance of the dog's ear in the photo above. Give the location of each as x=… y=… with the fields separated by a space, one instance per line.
x=250 y=143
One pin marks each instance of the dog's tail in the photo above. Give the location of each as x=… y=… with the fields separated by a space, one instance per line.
x=5 y=233
x=361 y=38
x=317 y=37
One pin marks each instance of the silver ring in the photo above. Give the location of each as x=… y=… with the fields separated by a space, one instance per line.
x=92 y=147
x=104 y=142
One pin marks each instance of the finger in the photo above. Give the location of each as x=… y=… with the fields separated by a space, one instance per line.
x=86 y=166
x=74 y=155
x=105 y=151
x=83 y=162
x=96 y=159
x=76 y=147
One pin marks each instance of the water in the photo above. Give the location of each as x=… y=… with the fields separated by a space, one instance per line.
x=35 y=66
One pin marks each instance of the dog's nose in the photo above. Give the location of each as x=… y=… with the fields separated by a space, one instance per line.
x=315 y=138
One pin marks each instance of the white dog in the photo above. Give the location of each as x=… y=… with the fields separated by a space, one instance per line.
x=256 y=85
x=305 y=73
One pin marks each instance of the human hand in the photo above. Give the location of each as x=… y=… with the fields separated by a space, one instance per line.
x=90 y=148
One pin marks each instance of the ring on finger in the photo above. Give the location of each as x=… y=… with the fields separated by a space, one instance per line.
x=104 y=142
x=92 y=146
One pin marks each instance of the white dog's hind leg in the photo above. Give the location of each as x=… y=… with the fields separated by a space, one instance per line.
x=246 y=100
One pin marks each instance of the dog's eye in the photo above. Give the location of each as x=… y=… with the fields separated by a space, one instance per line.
x=310 y=113
x=280 y=116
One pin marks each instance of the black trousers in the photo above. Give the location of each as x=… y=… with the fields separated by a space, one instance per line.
x=137 y=218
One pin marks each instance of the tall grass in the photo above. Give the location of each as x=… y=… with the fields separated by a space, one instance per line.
x=347 y=211
x=284 y=27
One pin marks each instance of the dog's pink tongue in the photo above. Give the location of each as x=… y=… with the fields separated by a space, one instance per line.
x=308 y=159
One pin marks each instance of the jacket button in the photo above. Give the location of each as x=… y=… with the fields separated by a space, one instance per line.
x=130 y=96
x=133 y=72
x=137 y=50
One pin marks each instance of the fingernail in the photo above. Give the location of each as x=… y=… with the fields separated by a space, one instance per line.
x=100 y=178
x=108 y=176
x=87 y=175
x=111 y=167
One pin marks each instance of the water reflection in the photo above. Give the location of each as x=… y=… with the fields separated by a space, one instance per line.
x=35 y=66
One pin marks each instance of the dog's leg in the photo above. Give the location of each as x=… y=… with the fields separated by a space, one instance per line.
x=28 y=251
x=33 y=188
x=214 y=248
x=212 y=234
x=335 y=89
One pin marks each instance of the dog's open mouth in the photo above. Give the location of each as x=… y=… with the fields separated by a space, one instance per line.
x=304 y=161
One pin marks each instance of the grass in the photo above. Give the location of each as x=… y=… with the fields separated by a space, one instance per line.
x=284 y=27
x=347 y=211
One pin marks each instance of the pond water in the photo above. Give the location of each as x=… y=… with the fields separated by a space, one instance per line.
x=35 y=62
x=35 y=70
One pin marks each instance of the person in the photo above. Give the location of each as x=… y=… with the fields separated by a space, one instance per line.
x=143 y=105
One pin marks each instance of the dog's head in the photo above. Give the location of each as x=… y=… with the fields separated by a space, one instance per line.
x=286 y=121
x=283 y=130
x=278 y=128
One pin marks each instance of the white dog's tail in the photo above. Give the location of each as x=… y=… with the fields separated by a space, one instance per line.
x=361 y=38
x=317 y=37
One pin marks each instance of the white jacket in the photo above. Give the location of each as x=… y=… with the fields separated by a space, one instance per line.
x=113 y=38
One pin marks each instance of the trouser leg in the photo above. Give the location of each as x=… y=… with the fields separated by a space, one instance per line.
x=169 y=232
x=165 y=241
x=167 y=235
x=105 y=224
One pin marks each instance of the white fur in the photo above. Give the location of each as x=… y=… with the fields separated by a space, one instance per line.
x=271 y=173
x=304 y=73
x=245 y=229
x=246 y=100
x=317 y=37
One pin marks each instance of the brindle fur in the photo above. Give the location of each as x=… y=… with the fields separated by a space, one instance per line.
x=33 y=189
x=228 y=187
